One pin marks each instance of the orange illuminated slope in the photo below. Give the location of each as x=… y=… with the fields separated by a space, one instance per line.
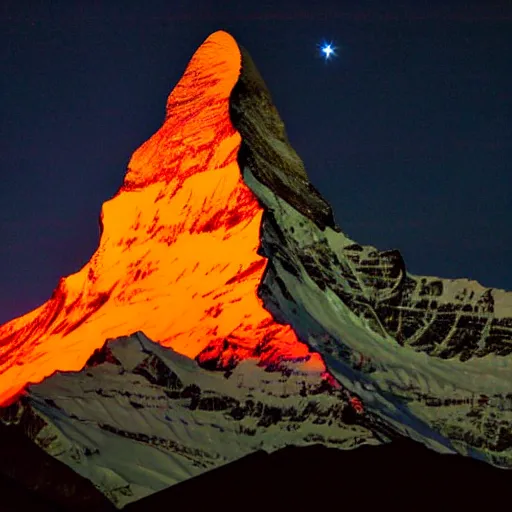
x=177 y=255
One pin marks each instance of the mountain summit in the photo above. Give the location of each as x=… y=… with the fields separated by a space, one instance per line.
x=218 y=248
x=177 y=257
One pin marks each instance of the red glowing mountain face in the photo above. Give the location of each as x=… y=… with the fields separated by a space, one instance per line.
x=177 y=257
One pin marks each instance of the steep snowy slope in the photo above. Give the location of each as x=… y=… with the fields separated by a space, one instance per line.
x=140 y=417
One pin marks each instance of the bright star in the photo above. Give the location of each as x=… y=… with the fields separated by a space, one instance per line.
x=327 y=49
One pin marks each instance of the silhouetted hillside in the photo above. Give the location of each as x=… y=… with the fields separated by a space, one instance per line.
x=402 y=475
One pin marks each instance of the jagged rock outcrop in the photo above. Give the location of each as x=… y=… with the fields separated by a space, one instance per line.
x=266 y=149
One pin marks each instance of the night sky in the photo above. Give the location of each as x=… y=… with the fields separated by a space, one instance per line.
x=407 y=132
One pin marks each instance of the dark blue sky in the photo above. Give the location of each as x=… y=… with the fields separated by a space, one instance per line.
x=408 y=133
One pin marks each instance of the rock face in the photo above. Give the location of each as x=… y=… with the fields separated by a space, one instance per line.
x=272 y=327
x=266 y=150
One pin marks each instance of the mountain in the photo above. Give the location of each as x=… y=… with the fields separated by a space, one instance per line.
x=225 y=312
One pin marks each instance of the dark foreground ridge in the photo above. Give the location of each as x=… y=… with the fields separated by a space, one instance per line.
x=31 y=479
x=402 y=475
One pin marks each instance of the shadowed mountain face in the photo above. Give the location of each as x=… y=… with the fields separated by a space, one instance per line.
x=270 y=326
